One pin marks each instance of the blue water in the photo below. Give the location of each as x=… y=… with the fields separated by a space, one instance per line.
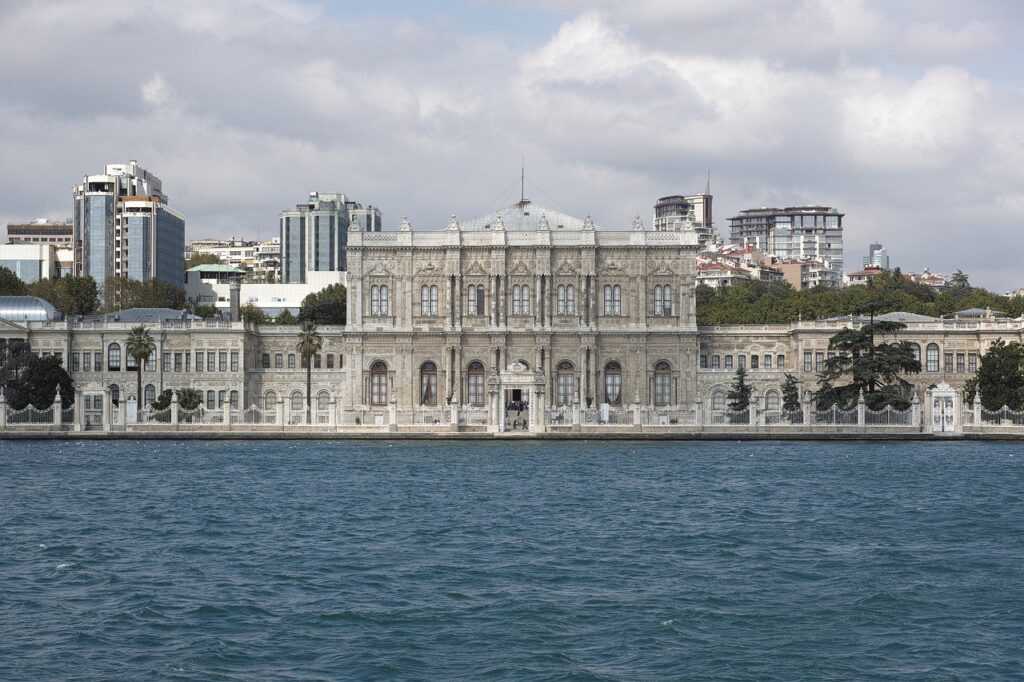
x=518 y=561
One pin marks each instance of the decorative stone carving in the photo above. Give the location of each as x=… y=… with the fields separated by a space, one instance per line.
x=405 y=225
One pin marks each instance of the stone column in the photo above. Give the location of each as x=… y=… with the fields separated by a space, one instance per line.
x=79 y=411
x=174 y=409
x=107 y=409
x=861 y=409
x=977 y=408
x=57 y=409
x=454 y=416
x=226 y=408
x=807 y=408
x=332 y=415
x=3 y=412
x=698 y=412
x=279 y=417
x=915 y=407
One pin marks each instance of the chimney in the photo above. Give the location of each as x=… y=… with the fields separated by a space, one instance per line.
x=236 y=295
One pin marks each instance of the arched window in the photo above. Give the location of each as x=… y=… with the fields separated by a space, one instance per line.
x=379 y=384
x=613 y=383
x=270 y=401
x=433 y=299
x=475 y=299
x=211 y=400
x=560 y=300
x=570 y=300
x=233 y=399
x=424 y=300
x=323 y=401
x=916 y=350
x=718 y=400
x=662 y=384
x=772 y=400
x=612 y=300
x=114 y=358
x=566 y=382
x=657 y=301
x=517 y=304
x=932 y=357
x=384 y=302
x=375 y=300
x=221 y=395
x=475 y=383
x=149 y=395
x=296 y=401
x=428 y=384
x=115 y=394
x=525 y=293
x=666 y=300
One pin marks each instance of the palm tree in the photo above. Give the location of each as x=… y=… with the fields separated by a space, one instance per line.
x=310 y=343
x=140 y=346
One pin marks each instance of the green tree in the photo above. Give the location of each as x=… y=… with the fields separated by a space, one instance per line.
x=139 y=346
x=790 y=394
x=309 y=344
x=36 y=384
x=163 y=401
x=70 y=295
x=325 y=307
x=1000 y=376
x=740 y=392
x=285 y=317
x=207 y=312
x=122 y=293
x=860 y=365
x=252 y=314
x=959 y=280
x=202 y=259
x=189 y=398
x=10 y=283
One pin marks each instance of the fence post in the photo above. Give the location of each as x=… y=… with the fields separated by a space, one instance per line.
x=977 y=409
x=861 y=408
x=915 y=407
x=107 y=410
x=807 y=408
x=174 y=409
x=79 y=411
x=3 y=412
x=698 y=412
x=332 y=415
x=279 y=417
x=454 y=419
x=226 y=407
x=752 y=413
x=57 y=406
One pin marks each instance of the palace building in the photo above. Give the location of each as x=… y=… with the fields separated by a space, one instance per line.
x=524 y=318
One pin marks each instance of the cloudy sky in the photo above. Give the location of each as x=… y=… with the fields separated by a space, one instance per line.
x=904 y=115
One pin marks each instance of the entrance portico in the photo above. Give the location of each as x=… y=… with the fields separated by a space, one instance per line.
x=516 y=382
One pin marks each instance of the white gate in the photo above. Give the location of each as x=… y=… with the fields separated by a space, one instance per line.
x=945 y=412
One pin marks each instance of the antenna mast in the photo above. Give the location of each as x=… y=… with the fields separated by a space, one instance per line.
x=522 y=179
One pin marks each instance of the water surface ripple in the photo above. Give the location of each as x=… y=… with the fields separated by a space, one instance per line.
x=519 y=561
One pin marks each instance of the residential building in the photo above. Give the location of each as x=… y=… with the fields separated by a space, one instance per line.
x=864 y=276
x=678 y=212
x=877 y=257
x=807 y=273
x=794 y=233
x=928 y=278
x=314 y=236
x=40 y=231
x=123 y=227
x=260 y=260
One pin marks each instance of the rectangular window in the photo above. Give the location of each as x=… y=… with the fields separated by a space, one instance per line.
x=75 y=360
x=341 y=361
x=728 y=362
x=86 y=361
x=317 y=361
x=291 y=361
x=780 y=362
x=716 y=362
x=188 y=362
x=960 y=362
x=266 y=361
x=278 y=360
x=330 y=361
x=807 y=361
x=165 y=363
x=703 y=362
x=767 y=362
x=222 y=361
x=150 y=365
x=753 y=361
x=741 y=361
x=819 y=362
x=177 y=362
x=972 y=362
x=303 y=362
x=234 y=361
x=199 y=361
x=947 y=362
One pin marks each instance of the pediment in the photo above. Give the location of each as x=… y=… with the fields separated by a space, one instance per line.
x=475 y=268
x=520 y=268
x=567 y=268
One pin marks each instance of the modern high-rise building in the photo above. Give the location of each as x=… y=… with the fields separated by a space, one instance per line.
x=124 y=228
x=677 y=212
x=795 y=232
x=877 y=257
x=314 y=236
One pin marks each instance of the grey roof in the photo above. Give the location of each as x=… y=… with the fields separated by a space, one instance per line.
x=525 y=216
x=980 y=312
x=27 y=309
x=146 y=315
x=884 y=317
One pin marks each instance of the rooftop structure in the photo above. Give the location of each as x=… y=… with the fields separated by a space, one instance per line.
x=27 y=309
